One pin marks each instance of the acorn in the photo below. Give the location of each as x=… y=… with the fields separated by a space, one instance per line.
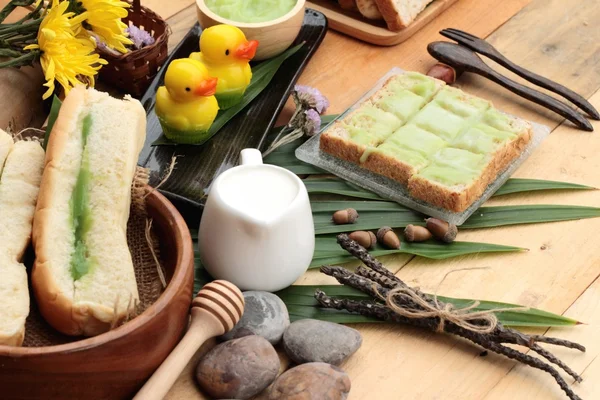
x=347 y=216
x=366 y=239
x=441 y=229
x=416 y=233
x=444 y=73
x=387 y=237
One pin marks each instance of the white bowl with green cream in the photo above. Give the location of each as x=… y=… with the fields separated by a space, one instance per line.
x=274 y=23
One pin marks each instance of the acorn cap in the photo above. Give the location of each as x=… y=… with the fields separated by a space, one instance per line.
x=388 y=238
x=442 y=230
x=381 y=233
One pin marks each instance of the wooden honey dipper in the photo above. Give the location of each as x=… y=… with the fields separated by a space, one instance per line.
x=216 y=309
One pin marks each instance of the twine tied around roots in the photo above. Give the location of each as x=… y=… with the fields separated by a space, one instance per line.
x=482 y=322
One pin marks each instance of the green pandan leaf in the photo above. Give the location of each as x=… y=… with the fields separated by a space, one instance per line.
x=517 y=185
x=327 y=252
x=301 y=304
x=262 y=74
x=488 y=217
x=54 y=109
x=375 y=214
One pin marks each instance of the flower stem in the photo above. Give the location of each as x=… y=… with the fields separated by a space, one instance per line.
x=289 y=138
x=32 y=25
x=34 y=13
x=25 y=59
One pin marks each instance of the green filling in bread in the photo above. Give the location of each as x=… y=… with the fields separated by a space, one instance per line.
x=81 y=217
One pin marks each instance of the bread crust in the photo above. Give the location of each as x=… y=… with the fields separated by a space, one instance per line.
x=369 y=9
x=390 y=167
x=58 y=308
x=394 y=20
x=340 y=147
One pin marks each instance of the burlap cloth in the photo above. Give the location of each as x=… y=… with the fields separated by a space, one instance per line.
x=39 y=333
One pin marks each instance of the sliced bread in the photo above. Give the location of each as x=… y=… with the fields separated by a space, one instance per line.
x=6 y=143
x=19 y=186
x=398 y=14
x=369 y=9
x=83 y=276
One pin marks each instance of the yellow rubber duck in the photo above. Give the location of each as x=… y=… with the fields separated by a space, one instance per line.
x=226 y=53
x=186 y=106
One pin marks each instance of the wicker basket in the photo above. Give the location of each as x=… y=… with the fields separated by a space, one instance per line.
x=133 y=71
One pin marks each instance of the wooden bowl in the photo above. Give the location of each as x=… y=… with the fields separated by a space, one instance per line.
x=273 y=36
x=113 y=365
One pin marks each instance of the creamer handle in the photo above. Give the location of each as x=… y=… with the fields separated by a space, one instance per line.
x=251 y=157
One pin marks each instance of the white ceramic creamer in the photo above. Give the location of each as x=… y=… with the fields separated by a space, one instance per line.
x=257 y=228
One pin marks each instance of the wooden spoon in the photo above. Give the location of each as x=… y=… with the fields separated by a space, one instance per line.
x=460 y=57
x=218 y=306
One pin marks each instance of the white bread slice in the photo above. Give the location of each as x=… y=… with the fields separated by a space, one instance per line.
x=369 y=9
x=398 y=14
x=103 y=296
x=6 y=143
x=19 y=186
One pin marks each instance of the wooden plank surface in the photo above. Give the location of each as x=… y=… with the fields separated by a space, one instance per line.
x=560 y=271
x=352 y=23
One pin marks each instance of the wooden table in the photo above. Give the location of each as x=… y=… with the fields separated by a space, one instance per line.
x=560 y=40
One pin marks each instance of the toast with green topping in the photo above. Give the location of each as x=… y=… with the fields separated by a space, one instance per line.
x=447 y=147
x=380 y=116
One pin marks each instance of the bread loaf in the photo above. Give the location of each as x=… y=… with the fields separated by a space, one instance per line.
x=398 y=14
x=83 y=276
x=369 y=9
x=19 y=186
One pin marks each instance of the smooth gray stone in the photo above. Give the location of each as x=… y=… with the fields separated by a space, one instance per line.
x=310 y=340
x=264 y=315
x=238 y=369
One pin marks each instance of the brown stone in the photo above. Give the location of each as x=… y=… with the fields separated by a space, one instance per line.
x=238 y=369
x=311 y=381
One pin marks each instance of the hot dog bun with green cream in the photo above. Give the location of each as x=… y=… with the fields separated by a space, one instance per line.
x=21 y=166
x=83 y=276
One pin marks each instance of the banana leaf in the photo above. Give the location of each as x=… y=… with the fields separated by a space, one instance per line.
x=262 y=74
x=301 y=304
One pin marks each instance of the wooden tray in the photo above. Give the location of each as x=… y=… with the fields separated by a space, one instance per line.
x=352 y=23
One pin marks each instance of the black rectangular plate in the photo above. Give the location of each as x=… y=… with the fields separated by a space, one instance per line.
x=198 y=166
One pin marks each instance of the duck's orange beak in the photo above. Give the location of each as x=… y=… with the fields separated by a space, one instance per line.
x=246 y=51
x=207 y=87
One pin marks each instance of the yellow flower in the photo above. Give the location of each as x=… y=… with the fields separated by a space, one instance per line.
x=65 y=57
x=104 y=17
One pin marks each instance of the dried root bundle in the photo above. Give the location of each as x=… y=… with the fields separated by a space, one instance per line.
x=394 y=300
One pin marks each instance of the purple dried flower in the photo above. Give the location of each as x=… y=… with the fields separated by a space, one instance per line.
x=308 y=97
x=139 y=37
x=312 y=125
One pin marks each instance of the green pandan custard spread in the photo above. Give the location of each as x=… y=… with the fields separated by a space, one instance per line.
x=250 y=11
x=81 y=218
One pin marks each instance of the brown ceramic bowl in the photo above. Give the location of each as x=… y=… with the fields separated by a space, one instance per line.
x=113 y=365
